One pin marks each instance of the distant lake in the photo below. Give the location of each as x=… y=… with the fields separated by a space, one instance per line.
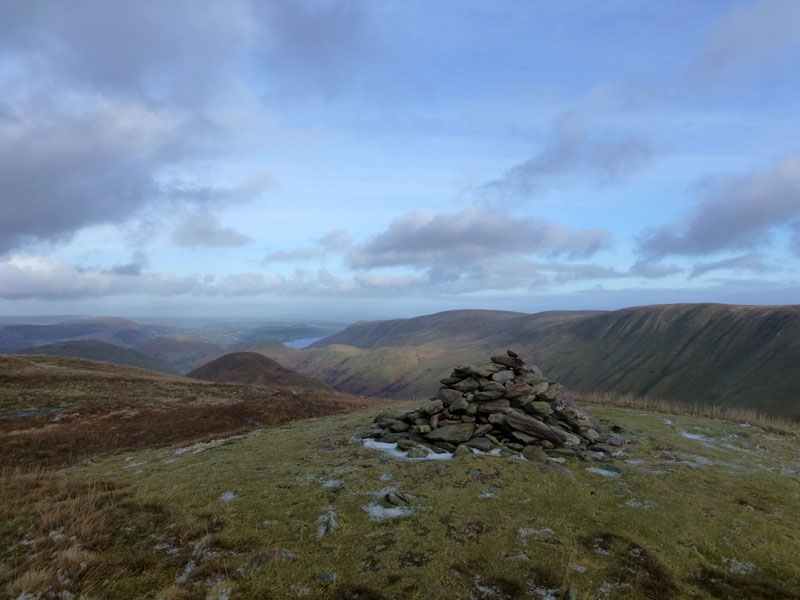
x=301 y=343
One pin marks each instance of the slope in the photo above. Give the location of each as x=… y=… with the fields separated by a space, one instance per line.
x=253 y=368
x=101 y=351
x=716 y=354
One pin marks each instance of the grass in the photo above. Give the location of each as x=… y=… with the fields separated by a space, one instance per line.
x=711 y=515
x=771 y=423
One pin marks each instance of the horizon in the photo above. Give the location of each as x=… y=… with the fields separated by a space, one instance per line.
x=349 y=160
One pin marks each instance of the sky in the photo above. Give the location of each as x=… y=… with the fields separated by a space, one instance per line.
x=373 y=159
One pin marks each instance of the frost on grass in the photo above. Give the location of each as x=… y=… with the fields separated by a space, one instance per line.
x=227 y=496
x=523 y=533
x=377 y=512
x=738 y=567
x=604 y=471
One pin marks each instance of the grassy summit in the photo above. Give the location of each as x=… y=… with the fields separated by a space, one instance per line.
x=698 y=508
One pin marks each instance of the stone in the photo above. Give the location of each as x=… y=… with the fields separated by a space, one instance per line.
x=493 y=386
x=540 y=387
x=607 y=448
x=463 y=451
x=450 y=380
x=553 y=391
x=516 y=390
x=485 y=371
x=326 y=577
x=446 y=446
x=467 y=419
x=390 y=414
x=522 y=401
x=405 y=444
x=488 y=396
x=522 y=422
x=539 y=408
x=503 y=376
x=417 y=452
x=556 y=469
x=370 y=432
x=590 y=434
x=391 y=438
x=515 y=446
x=467 y=385
x=482 y=430
x=512 y=354
x=495 y=406
x=524 y=438
x=614 y=439
x=509 y=361
x=533 y=379
x=432 y=407
x=458 y=405
x=498 y=419
x=534 y=454
x=422 y=429
x=399 y=426
x=448 y=396
x=472 y=408
x=480 y=443
x=460 y=432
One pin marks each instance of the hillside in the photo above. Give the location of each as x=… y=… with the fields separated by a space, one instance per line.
x=253 y=368
x=120 y=332
x=184 y=354
x=56 y=410
x=689 y=508
x=715 y=354
x=101 y=351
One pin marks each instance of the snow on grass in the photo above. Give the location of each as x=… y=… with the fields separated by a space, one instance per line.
x=391 y=449
x=227 y=496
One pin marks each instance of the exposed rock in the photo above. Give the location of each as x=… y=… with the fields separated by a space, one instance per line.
x=466 y=385
x=495 y=406
x=534 y=454
x=460 y=432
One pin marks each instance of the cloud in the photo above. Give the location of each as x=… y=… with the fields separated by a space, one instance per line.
x=204 y=230
x=138 y=262
x=739 y=214
x=651 y=270
x=28 y=276
x=336 y=240
x=746 y=262
x=749 y=35
x=421 y=239
x=291 y=255
x=571 y=152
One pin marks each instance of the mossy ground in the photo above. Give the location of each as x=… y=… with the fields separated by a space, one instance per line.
x=700 y=509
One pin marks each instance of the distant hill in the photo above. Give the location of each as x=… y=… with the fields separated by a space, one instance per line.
x=184 y=354
x=715 y=354
x=121 y=332
x=256 y=369
x=100 y=351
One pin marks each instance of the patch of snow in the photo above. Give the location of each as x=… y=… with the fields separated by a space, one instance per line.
x=269 y=523
x=331 y=483
x=636 y=461
x=523 y=533
x=28 y=542
x=666 y=420
x=634 y=503
x=603 y=472
x=579 y=568
x=737 y=567
x=386 y=477
x=227 y=496
x=133 y=464
x=183 y=577
x=542 y=592
x=557 y=459
x=129 y=459
x=377 y=512
x=487 y=495
x=57 y=534
x=391 y=450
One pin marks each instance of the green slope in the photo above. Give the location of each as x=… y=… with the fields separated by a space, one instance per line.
x=100 y=351
x=710 y=353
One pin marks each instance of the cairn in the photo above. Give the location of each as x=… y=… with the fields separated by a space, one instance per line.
x=505 y=405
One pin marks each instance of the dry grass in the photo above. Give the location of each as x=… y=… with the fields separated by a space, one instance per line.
x=771 y=423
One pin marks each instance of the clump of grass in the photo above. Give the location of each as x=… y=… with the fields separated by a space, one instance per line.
x=771 y=423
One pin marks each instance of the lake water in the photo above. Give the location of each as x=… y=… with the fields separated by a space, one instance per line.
x=301 y=343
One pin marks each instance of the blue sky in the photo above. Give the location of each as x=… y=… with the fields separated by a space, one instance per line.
x=376 y=159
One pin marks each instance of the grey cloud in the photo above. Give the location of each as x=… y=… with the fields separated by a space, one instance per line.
x=571 y=152
x=749 y=35
x=204 y=230
x=737 y=215
x=653 y=270
x=138 y=262
x=746 y=262
x=421 y=239
x=336 y=240
x=291 y=255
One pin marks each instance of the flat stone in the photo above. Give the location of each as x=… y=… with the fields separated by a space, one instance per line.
x=417 y=452
x=448 y=396
x=446 y=446
x=405 y=444
x=495 y=406
x=480 y=443
x=459 y=432
x=493 y=386
x=459 y=404
x=391 y=414
x=514 y=446
x=483 y=396
x=540 y=387
x=421 y=429
x=467 y=419
x=482 y=430
x=517 y=390
x=607 y=448
x=462 y=451
x=399 y=426
x=486 y=370
x=391 y=438
x=467 y=385
x=498 y=419
x=533 y=379
x=534 y=454
x=539 y=408
x=503 y=376
x=590 y=434
x=523 y=437
x=472 y=408
x=522 y=422
x=432 y=407
x=553 y=391
x=450 y=380
x=509 y=361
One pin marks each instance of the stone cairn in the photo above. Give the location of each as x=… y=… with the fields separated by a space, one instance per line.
x=503 y=405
